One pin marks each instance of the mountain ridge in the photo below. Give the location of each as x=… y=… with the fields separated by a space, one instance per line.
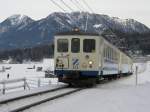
x=23 y=32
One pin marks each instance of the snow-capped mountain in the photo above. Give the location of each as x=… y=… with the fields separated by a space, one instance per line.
x=106 y=22
x=15 y=21
x=21 y=31
x=126 y=25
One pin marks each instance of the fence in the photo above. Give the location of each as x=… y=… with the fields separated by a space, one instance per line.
x=5 y=83
x=25 y=83
x=141 y=67
x=39 y=82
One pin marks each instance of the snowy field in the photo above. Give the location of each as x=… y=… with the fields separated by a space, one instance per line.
x=25 y=70
x=116 y=96
x=28 y=71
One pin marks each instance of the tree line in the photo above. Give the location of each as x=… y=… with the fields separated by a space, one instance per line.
x=33 y=54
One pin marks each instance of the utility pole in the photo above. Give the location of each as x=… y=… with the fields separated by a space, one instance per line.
x=136 y=73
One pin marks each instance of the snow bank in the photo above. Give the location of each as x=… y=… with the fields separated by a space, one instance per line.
x=101 y=99
x=116 y=96
x=29 y=71
x=26 y=70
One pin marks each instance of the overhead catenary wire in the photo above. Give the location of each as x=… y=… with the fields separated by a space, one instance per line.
x=82 y=9
x=71 y=9
x=91 y=10
x=87 y=5
x=86 y=23
x=67 y=5
x=58 y=5
x=70 y=26
x=80 y=5
x=87 y=15
x=74 y=3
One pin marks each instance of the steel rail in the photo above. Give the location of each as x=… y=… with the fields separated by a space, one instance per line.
x=30 y=95
x=44 y=100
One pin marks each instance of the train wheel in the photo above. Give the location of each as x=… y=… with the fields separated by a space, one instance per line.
x=115 y=77
x=70 y=84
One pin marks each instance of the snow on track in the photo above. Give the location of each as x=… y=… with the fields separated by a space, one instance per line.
x=14 y=95
x=21 y=104
x=127 y=99
x=116 y=96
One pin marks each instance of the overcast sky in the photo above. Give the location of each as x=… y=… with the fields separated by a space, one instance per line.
x=37 y=9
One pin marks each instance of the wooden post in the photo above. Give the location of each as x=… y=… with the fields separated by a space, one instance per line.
x=24 y=83
x=39 y=82
x=4 y=88
x=5 y=82
x=57 y=82
x=49 y=82
x=136 y=73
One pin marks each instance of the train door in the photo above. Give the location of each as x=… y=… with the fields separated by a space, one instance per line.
x=62 y=53
x=90 y=54
x=102 y=48
x=75 y=53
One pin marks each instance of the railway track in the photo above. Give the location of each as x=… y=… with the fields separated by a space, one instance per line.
x=25 y=102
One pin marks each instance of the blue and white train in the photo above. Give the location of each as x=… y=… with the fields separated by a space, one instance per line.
x=86 y=58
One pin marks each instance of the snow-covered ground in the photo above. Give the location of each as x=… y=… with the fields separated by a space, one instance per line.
x=28 y=71
x=25 y=70
x=116 y=96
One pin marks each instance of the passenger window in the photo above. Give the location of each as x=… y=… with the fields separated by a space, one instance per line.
x=62 y=45
x=104 y=52
x=89 y=45
x=75 y=45
x=109 y=53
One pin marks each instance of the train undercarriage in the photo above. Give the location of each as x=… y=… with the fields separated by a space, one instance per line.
x=76 y=80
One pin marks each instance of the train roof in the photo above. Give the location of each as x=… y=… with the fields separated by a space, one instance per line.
x=76 y=33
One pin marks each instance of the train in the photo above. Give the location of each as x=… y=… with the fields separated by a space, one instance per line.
x=87 y=58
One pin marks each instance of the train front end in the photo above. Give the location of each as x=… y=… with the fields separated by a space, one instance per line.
x=76 y=58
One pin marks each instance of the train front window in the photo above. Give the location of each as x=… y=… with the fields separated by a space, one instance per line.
x=62 y=45
x=75 y=45
x=89 y=45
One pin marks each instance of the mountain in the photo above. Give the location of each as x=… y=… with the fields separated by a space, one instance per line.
x=23 y=32
x=9 y=31
x=13 y=22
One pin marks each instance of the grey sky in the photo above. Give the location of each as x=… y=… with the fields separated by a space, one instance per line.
x=37 y=9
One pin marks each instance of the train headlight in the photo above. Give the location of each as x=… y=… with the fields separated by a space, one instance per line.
x=90 y=62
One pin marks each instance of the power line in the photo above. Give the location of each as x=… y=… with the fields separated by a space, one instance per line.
x=67 y=5
x=86 y=23
x=76 y=5
x=70 y=26
x=80 y=5
x=87 y=5
x=58 y=5
x=87 y=16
